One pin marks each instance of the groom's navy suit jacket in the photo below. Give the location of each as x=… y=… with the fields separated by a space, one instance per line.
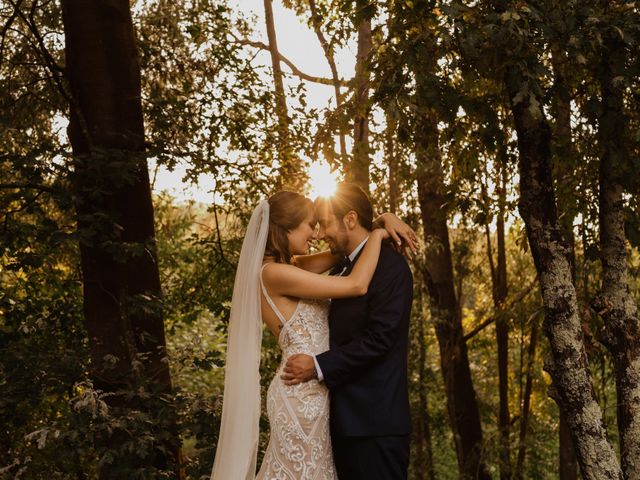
x=366 y=366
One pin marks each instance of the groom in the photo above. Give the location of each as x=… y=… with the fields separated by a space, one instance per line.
x=366 y=366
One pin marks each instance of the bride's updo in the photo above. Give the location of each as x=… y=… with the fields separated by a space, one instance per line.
x=287 y=210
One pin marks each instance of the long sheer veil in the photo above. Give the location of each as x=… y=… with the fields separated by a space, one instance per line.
x=237 y=450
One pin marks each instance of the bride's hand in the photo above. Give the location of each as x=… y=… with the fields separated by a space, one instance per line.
x=404 y=237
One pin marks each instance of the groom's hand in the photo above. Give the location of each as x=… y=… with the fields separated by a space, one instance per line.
x=299 y=368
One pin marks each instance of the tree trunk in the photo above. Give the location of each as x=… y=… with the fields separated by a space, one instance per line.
x=565 y=174
x=502 y=340
x=462 y=406
x=359 y=172
x=499 y=294
x=423 y=461
x=290 y=169
x=502 y=327
x=564 y=153
x=567 y=364
x=115 y=222
x=526 y=402
x=615 y=303
x=568 y=463
x=392 y=164
x=316 y=20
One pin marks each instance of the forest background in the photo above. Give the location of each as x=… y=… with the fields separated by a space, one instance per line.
x=505 y=132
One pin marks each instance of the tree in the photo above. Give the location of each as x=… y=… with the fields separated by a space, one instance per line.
x=615 y=302
x=121 y=283
x=327 y=48
x=290 y=167
x=421 y=64
x=564 y=165
x=499 y=295
x=537 y=206
x=446 y=134
x=359 y=168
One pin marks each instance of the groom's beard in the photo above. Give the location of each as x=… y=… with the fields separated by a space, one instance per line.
x=339 y=244
x=335 y=250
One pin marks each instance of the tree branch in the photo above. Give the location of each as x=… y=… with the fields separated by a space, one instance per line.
x=30 y=186
x=57 y=72
x=295 y=70
x=328 y=53
x=7 y=25
x=523 y=293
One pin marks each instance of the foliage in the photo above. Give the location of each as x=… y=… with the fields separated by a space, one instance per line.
x=209 y=105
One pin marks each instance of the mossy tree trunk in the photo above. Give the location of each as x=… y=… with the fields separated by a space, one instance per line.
x=615 y=302
x=567 y=363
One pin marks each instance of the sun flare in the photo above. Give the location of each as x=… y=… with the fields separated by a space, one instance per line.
x=322 y=180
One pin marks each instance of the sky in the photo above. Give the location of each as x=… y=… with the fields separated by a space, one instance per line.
x=298 y=43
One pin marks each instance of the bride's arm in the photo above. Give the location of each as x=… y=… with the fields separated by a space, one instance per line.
x=316 y=262
x=291 y=281
x=399 y=231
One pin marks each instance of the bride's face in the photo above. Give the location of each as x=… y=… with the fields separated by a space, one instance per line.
x=300 y=238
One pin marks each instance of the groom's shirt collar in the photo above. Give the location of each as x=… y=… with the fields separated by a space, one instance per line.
x=355 y=252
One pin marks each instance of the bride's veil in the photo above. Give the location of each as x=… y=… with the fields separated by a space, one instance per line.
x=237 y=449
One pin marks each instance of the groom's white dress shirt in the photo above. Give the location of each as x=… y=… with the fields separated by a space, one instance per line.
x=352 y=256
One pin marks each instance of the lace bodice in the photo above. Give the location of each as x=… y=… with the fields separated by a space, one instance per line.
x=299 y=444
x=307 y=331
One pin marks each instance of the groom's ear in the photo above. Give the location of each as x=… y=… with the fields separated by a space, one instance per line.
x=350 y=219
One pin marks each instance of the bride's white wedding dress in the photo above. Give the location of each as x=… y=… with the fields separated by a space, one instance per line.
x=300 y=442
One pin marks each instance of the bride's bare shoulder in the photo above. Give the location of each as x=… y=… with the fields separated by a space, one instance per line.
x=272 y=272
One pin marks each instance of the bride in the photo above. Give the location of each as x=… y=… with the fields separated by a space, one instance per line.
x=279 y=285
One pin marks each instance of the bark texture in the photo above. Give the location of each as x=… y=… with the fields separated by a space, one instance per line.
x=615 y=303
x=121 y=282
x=359 y=173
x=567 y=363
x=564 y=166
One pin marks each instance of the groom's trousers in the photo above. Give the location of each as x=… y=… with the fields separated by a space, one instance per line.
x=371 y=458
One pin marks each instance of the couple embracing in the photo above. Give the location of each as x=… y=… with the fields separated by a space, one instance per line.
x=338 y=405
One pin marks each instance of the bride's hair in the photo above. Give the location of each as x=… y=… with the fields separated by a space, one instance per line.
x=287 y=210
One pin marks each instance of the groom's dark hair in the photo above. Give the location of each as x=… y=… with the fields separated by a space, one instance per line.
x=347 y=197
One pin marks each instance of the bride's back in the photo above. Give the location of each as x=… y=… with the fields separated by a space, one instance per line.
x=300 y=325
x=285 y=305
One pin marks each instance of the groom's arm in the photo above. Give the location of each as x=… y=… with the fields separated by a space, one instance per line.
x=387 y=313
